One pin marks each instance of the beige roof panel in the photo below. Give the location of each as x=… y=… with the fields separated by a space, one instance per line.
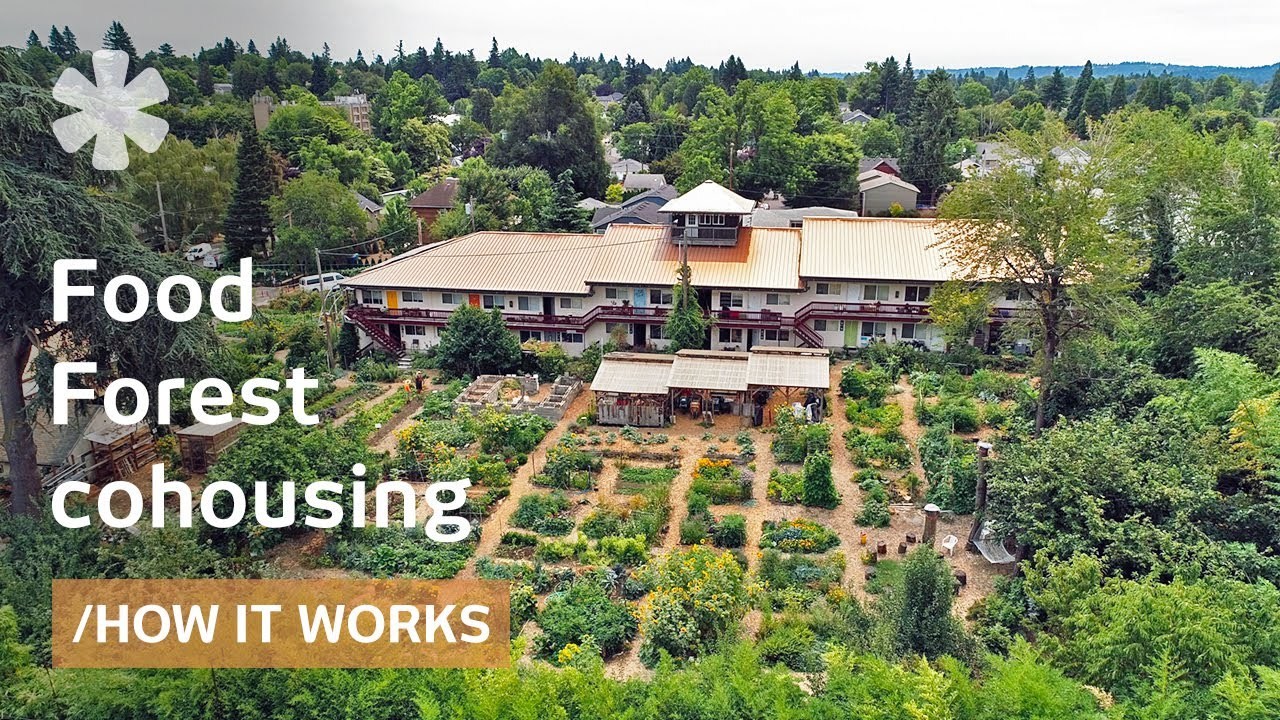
x=710 y=197
x=763 y=259
x=789 y=367
x=720 y=370
x=879 y=179
x=874 y=249
x=633 y=374
x=490 y=261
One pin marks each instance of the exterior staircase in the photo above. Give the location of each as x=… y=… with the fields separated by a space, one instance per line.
x=379 y=336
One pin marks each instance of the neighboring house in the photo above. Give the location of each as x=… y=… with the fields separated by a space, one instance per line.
x=643 y=181
x=432 y=203
x=371 y=208
x=855 y=117
x=834 y=282
x=222 y=88
x=878 y=192
x=642 y=209
x=626 y=166
x=593 y=204
x=889 y=165
x=89 y=447
x=794 y=217
x=356 y=108
x=611 y=98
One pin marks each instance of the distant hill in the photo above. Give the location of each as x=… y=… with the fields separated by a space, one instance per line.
x=1260 y=75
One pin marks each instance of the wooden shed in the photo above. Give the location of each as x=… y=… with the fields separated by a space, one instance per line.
x=712 y=381
x=202 y=443
x=784 y=377
x=631 y=389
x=118 y=450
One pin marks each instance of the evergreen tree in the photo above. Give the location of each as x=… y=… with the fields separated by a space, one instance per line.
x=1055 y=90
x=935 y=118
x=925 y=625
x=252 y=49
x=319 y=76
x=566 y=216
x=495 y=56
x=248 y=224
x=165 y=50
x=56 y=45
x=890 y=84
x=1119 y=93
x=204 y=79
x=795 y=73
x=686 y=326
x=69 y=42
x=1096 y=105
x=33 y=40
x=1273 y=95
x=475 y=342
x=117 y=38
x=906 y=92
x=1029 y=80
x=1075 y=108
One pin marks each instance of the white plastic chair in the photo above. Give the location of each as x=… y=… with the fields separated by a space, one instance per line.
x=949 y=544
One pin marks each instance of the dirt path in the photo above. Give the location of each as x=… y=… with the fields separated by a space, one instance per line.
x=680 y=497
x=911 y=426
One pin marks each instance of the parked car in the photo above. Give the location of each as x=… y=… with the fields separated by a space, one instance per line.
x=315 y=283
x=197 y=253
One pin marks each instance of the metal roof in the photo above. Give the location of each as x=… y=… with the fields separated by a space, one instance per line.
x=789 y=367
x=763 y=258
x=721 y=370
x=782 y=217
x=207 y=430
x=874 y=249
x=710 y=197
x=633 y=373
x=490 y=261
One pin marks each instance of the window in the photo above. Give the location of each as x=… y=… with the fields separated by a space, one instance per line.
x=660 y=297
x=820 y=325
x=655 y=332
x=488 y=302
x=571 y=337
x=527 y=335
x=874 y=330
x=571 y=303
x=611 y=293
x=797 y=223
x=1017 y=294
x=910 y=332
x=777 y=335
x=450 y=298
x=612 y=327
x=411 y=296
x=706 y=219
x=730 y=335
x=777 y=299
x=878 y=293
x=918 y=293
x=730 y=299
x=413 y=330
x=371 y=297
x=524 y=303
x=830 y=289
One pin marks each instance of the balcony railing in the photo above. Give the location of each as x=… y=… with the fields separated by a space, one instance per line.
x=702 y=235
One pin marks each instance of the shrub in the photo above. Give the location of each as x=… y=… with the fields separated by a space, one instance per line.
x=697 y=503
x=720 y=481
x=887 y=449
x=958 y=414
x=399 y=552
x=631 y=551
x=884 y=417
x=797 y=572
x=569 y=467
x=584 y=610
x=693 y=530
x=789 y=642
x=731 y=532
x=509 y=433
x=543 y=513
x=950 y=467
x=699 y=597
x=798 y=536
x=794 y=439
x=785 y=487
x=643 y=515
x=875 y=508
x=872 y=385
x=819 y=488
x=633 y=479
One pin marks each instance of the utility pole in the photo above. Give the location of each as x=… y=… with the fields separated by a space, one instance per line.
x=324 y=316
x=164 y=226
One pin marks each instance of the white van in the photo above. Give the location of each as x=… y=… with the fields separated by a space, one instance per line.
x=314 y=283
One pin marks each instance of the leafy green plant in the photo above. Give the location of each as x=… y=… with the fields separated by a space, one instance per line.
x=798 y=536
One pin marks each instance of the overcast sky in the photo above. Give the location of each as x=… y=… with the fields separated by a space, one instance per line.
x=829 y=35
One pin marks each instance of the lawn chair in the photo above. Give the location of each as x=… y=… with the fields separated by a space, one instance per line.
x=949 y=544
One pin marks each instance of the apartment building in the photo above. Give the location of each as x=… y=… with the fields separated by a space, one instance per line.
x=831 y=283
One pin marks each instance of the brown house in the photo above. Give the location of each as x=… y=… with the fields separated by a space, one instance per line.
x=428 y=206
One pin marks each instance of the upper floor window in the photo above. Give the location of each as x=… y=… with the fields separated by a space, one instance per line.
x=613 y=293
x=413 y=296
x=918 y=293
x=489 y=302
x=878 y=293
x=450 y=299
x=660 y=297
x=371 y=297
x=731 y=299
x=777 y=299
x=571 y=303
x=830 y=289
x=709 y=219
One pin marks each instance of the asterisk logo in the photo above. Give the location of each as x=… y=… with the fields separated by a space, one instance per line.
x=110 y=110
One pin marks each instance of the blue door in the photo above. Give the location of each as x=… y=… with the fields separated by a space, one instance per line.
x=641 y=297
